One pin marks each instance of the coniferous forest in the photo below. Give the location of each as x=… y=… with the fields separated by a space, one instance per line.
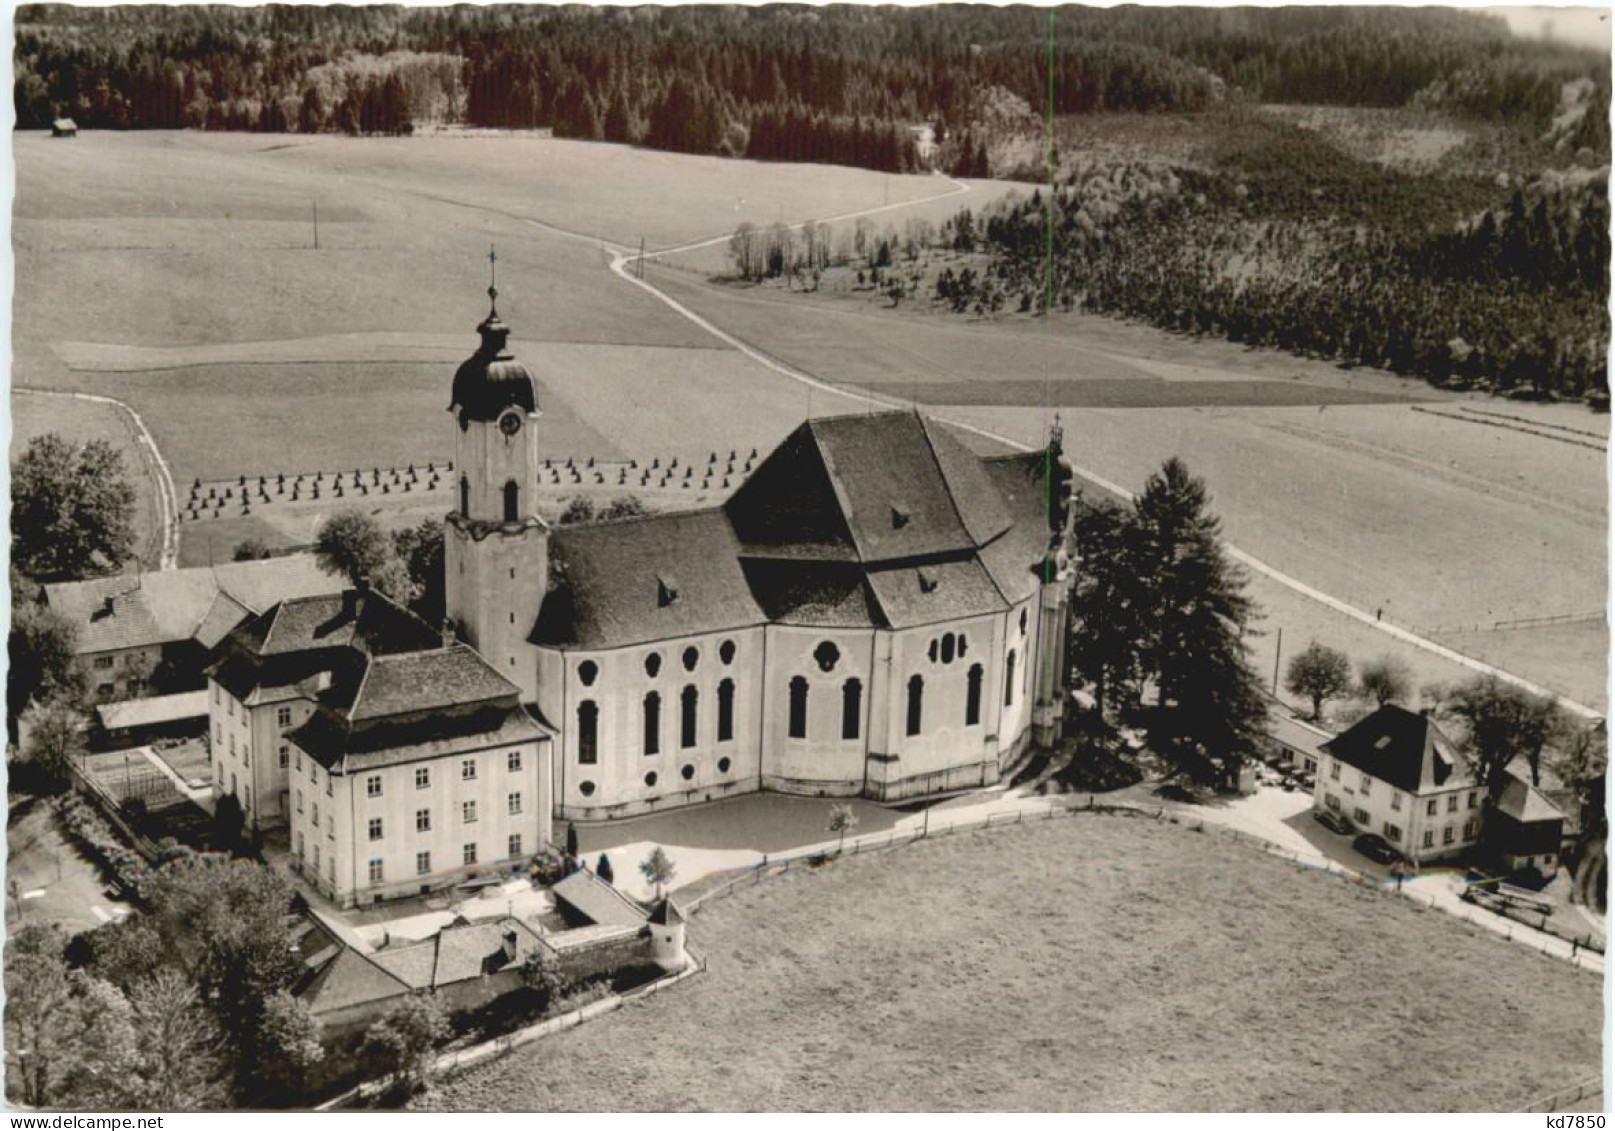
x=1269 y=235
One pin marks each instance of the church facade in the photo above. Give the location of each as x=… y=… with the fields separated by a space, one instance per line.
x=877 y=611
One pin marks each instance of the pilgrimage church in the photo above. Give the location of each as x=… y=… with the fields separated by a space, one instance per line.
x=876 y=612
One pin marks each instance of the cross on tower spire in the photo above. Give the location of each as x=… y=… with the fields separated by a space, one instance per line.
x=493 y=283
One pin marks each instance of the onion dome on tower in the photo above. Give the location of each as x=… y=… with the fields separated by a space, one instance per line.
x=492 y=380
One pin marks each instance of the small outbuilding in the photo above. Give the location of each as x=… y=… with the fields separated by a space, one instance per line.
x=64 y=127
x=1525 y=829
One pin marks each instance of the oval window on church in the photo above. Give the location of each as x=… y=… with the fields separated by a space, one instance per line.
x=586 y=788
x=687 y=772
x=653 y=664
x=826 y=656
x=692 y=656
x=723 y=765
x=586 y=673
x=650 y=780
x=726 y=651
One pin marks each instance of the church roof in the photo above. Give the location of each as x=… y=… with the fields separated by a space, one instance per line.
x=878 y=487
x=886 y=520
x=642 y=579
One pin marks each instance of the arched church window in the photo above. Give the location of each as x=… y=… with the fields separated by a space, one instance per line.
x=653 y=723
x=587 y=671
x=465 y=497
x=826 y=655
x=588 y=733
x=852 y=708
x=1009 y=679
x=799 y=704
x=512 y=501
x=963 y=644
x=689 y=701
x=973 y=696
x=726 y=710
x=1023 y=622
x=933 y=652
x=916 y=704
x=947 y=648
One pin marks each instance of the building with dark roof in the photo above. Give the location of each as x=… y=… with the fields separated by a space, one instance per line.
x=1397 y=774
x=877 y=611
x=397 y=759
x=1525 y=830
x=129 y=626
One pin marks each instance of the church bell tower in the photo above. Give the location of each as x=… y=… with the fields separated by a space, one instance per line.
x=496 y=547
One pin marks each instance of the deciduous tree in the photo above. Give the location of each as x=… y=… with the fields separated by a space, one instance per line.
x=72 y=510
x=1318 y=673
x=657 y=869
x=1386 y=680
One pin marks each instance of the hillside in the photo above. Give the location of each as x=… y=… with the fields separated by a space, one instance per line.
x=1093 y=963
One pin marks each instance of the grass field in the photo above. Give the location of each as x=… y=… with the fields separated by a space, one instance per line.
x=1093 y=963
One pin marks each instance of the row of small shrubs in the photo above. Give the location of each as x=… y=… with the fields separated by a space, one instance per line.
x=128 y=868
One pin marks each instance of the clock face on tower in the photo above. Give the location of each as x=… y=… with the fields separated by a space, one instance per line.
x=510 y=423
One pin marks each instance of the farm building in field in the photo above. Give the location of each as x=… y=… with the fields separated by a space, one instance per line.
x=878 y=611
x=397 y=760
x=64 y=127
x=152 y=632
x=1395 y=773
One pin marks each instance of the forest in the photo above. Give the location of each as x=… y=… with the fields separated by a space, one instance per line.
x=838 y=84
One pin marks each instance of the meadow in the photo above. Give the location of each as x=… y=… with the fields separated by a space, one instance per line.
x=1092 y=963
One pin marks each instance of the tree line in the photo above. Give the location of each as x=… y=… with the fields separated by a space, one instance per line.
x=1289 y=243
x=838 y=84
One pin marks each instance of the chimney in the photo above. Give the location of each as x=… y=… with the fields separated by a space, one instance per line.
x=510 y=944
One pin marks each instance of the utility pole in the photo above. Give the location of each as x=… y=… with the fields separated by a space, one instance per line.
x=640 y=264
x=1278 y=648
x=316 y=225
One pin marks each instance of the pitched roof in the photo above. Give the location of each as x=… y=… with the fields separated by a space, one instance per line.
x=134 y=611
x=1295 y=733
x=833 y=529
x=1404 y=749
x=459 y=952
x=597 y=900
x=1527 y=804
x=350 y=979
x=666 y=912
x=642 y=579
x=425 y=681
x=152 y=711
x=332 y=620
x=929 y=592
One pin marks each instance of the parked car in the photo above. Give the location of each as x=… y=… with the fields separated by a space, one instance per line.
x=1291 y=783
x=1375 y=848
x=1332 y=821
